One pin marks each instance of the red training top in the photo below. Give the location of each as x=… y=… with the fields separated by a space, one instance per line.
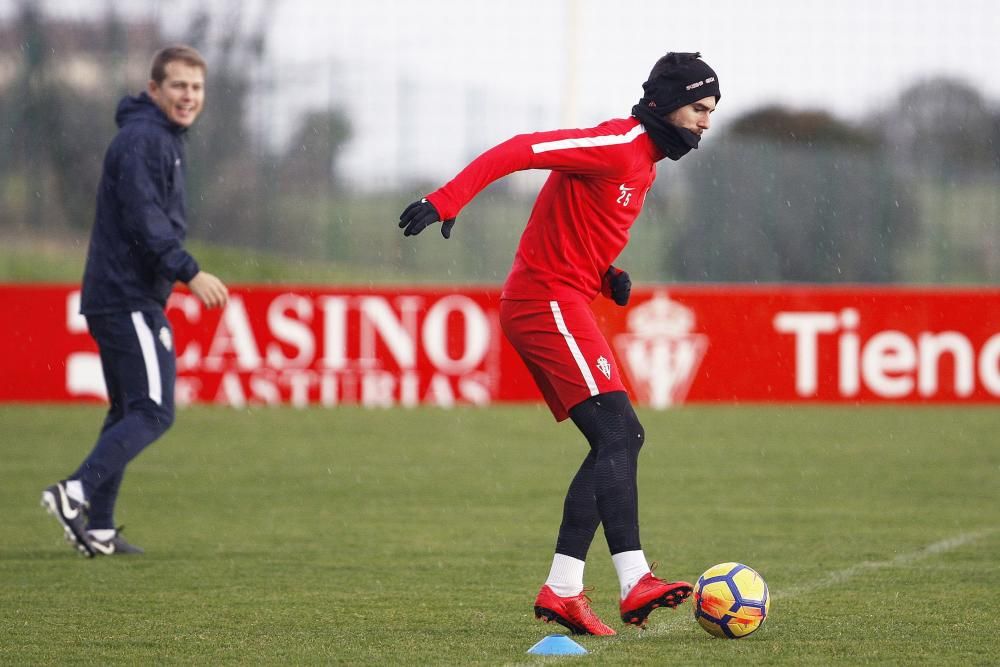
x=580 y=222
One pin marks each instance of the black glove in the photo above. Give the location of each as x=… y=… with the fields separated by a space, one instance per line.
x=420 y=214
x=616 y=285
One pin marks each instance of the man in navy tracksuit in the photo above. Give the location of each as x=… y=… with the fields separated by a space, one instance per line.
x=136 y=255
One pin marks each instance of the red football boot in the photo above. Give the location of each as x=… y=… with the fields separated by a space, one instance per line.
x=573 y=613
x=649 y=593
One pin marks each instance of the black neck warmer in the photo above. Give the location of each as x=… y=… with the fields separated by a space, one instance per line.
x=674 y=142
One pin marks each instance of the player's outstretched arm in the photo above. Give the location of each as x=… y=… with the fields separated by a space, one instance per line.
x=420 y=214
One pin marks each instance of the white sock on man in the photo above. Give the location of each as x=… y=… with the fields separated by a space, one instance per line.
x=74 y=489
x=566 y=576
x=102 y=534
x=631 y=566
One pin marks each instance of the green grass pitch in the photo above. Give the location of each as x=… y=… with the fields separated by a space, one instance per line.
x=354 y=536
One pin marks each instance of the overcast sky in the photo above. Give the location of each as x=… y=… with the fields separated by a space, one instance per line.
x=846 y=55
x=577 y=62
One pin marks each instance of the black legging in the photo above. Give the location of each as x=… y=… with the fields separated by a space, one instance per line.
x=604 y=489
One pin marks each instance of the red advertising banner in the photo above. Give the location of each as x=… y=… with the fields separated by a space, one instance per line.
x=404 y=346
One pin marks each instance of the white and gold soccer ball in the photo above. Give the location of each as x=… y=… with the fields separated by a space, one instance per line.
x=731 y=600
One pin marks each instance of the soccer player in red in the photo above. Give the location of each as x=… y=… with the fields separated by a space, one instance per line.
x=579 y=225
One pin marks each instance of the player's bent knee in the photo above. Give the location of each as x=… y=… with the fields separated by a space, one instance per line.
x=158 y=418
x=604 y=420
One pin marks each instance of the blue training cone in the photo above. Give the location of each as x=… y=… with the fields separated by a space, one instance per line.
x=557 y=645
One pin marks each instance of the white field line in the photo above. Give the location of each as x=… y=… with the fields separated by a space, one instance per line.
x=841 y=576
x=683 y=614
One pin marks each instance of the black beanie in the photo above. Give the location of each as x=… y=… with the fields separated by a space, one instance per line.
x=678 y=79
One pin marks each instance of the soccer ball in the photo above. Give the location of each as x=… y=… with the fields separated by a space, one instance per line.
x=730 y=600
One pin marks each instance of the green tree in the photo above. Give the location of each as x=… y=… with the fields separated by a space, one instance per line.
x=791 y=196
x=231 y=177
x=57 y=129
x=806 y=128
x=31 y=115
x=310 y=160
x=941 y=127
x=81 y=127
x=944 y=137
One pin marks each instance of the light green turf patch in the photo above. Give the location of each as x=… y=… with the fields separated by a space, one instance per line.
x=421 y=536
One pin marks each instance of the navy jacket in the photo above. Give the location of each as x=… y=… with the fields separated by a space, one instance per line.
x=136 y=247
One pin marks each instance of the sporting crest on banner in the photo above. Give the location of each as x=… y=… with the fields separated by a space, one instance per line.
x=661 y=351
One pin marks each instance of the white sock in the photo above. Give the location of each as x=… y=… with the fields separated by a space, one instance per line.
x=102 y=534
x=74 y=489
x=631 y=566
x=566 y=576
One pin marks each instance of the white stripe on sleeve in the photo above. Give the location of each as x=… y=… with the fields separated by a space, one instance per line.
x=589 y=142
x=581 y=363
x=148 y=346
